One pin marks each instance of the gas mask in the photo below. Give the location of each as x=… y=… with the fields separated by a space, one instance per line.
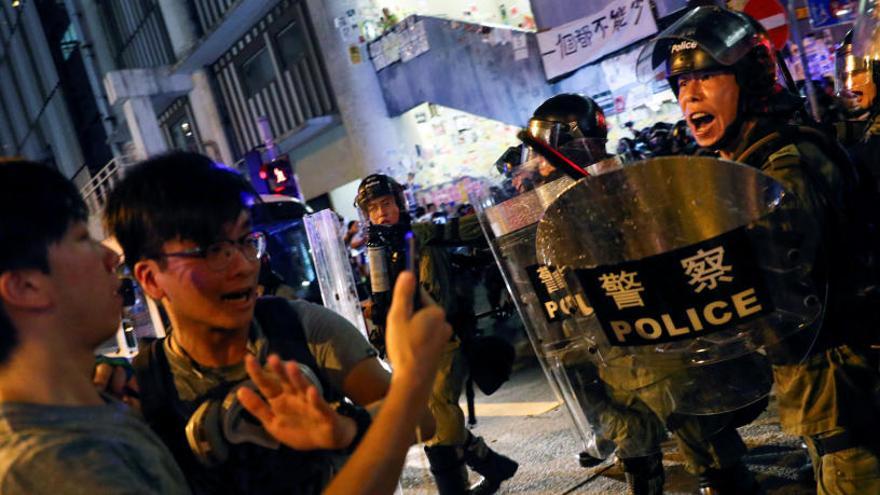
x=219 y=424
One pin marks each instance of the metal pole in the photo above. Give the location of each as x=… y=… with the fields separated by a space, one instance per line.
x=798 y=40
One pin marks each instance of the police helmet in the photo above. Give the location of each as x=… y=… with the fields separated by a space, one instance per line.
x=856 y=79
x=509 y=160
x=660 y=139
x=378 y=185
x=565 y=117
x=572 y=123
x=711 y=38
x=681 y=137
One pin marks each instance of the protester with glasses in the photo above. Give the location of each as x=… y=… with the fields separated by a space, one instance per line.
x=184 y=225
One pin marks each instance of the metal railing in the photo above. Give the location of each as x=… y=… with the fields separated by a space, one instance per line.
x=95 y=192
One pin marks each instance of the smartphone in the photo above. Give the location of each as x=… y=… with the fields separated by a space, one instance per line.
x=412 y=265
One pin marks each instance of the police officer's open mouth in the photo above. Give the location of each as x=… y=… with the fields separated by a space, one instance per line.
x=239 y=296
x=700 y=119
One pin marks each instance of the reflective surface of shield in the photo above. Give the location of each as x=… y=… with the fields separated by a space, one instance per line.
x=332 y=266
x=866 y=31
x=605 y=421
x=694 y=268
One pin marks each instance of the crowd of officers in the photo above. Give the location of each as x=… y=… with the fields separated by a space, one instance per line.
x=198 y=256
x=724 y=73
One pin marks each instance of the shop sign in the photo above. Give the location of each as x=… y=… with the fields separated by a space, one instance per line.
x=577 y=43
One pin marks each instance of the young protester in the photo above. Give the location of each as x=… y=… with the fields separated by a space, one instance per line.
x=193 y=250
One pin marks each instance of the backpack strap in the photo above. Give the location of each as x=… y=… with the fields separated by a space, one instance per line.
x=160 y=405
x=284 y=331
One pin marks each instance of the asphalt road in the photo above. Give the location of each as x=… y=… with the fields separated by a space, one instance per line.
x=524 y=421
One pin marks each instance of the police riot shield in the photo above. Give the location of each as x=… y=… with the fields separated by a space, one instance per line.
x=335 y=277
x=696 y=270
x=604 y=420
x=866 y=31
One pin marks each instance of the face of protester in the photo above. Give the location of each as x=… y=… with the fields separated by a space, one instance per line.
x=709 y=103
x=201 y=297
x=383 y=210
x=83 y=285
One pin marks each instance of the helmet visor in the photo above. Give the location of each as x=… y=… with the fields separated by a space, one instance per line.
x=866 y=32
x=545 y=131
x=724 y=35
x=582 y=151
x=854 y=81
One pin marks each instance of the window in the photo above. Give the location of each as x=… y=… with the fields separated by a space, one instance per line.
x=257 y=72
x=292 y=44
x=69 y=42
x=183 y=135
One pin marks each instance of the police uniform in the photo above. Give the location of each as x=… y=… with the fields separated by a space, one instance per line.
x=625 y=403
x=829 y=398
x=452 y=446
x=856 y=78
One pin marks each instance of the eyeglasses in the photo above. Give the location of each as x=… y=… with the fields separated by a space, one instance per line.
x=218 y=255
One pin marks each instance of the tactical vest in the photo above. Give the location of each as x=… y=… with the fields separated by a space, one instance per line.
x=851 y=242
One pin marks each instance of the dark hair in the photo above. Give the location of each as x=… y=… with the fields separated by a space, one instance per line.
x=179 y=195
x=37 y=207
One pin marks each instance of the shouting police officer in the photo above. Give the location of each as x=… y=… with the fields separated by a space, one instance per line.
x=631 y=417
x=721 y=67
x=382 y=202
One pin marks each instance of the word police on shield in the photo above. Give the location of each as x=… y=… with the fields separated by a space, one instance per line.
x=707 y=287
x=556 y=302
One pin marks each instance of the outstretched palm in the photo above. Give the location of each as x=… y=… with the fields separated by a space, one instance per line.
x=293 y=411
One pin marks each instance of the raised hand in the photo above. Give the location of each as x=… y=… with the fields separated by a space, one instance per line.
x=414 y=341
x=110 y=376
x=293 y=412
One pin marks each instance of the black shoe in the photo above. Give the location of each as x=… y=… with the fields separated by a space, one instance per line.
x=644 y=475
x=492 y=466
x=447 y=466
x=734 y=480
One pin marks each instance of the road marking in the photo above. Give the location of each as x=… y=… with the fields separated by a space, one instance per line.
x=508 y=409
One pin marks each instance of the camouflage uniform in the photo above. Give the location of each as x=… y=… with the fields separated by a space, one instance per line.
x=829 y=398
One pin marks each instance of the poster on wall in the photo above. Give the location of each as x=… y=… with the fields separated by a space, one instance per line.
x=819 y=57
x=619 y=71
x=577 y=43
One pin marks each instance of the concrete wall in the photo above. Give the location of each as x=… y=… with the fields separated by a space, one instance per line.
x=469 y=71
x=324 y=163
x=343 y=200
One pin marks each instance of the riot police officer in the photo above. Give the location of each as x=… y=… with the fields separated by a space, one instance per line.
x=631 y=417
x=682 y=141
x=722 y=69
x=383 y=205
x=856 y=80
